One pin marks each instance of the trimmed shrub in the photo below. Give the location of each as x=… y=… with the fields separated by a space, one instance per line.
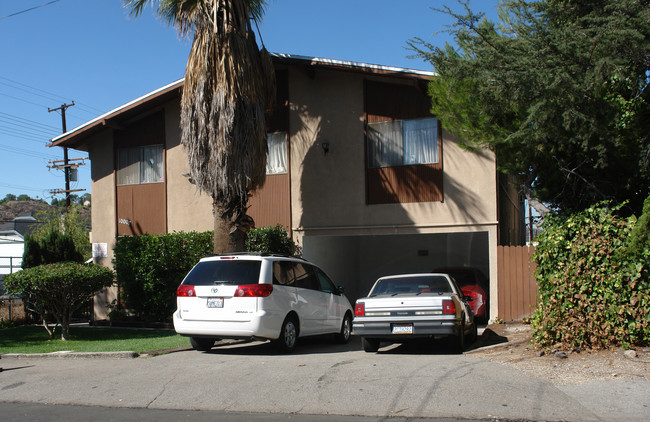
x=150 y=267
x=592 y=293
x=270 y=240
x=58 y=289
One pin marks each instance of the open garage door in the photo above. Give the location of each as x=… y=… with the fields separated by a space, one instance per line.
x=357 y=261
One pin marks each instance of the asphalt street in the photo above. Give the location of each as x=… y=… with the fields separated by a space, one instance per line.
x=320 y=378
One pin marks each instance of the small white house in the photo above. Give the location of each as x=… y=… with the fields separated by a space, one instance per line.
x=12 y=243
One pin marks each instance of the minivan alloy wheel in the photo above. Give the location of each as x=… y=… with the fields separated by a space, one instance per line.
x=288 y=335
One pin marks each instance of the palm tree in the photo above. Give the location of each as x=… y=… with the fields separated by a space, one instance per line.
x=229 y=83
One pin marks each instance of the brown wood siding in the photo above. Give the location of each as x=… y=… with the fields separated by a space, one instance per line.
x=401 y=184
x=271 y=205
x=516 y=282
x=421 y=183
x=142 y=208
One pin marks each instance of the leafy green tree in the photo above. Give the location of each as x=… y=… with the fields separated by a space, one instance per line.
x=70 y=223
x=23 y=197
x=58 y=289
x=558 y=89
x=229 y=83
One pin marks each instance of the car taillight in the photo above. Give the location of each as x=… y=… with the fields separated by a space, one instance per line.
x=360 y=309
x=185 y=290
x=448 y=307
x=253 y=290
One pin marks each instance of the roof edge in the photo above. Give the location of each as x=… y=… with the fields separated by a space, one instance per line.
x=103 y=120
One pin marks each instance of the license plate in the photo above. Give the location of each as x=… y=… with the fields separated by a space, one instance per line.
x=215 y=302
x=402 y=328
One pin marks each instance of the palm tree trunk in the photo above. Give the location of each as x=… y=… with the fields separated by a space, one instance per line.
x=231 y=225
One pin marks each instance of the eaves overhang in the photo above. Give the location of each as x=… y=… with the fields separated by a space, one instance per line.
x=77 y=137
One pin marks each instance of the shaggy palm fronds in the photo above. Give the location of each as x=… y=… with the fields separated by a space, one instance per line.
x=222 y=114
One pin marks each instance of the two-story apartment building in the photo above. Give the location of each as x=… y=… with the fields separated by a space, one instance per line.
x=364 y=178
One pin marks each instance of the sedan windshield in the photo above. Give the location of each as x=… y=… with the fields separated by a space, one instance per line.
x=418 y=285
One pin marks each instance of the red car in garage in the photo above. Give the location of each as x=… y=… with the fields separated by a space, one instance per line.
x=474 y=285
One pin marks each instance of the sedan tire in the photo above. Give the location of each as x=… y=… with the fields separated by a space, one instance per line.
x=458 y=341
x=370 y=345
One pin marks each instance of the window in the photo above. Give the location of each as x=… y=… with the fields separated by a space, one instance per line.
x=212 y=273
x=276 y=159
x=326 y=284
x=402 y=142
x=283 y=273
x=139 y=165
x=305 y=277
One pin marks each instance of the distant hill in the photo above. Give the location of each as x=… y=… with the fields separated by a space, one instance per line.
x=12 y=209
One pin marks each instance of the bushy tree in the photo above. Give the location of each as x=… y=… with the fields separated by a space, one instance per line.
x=68 y=223
x=558 y=89
x=55 y=246
x=58 y=289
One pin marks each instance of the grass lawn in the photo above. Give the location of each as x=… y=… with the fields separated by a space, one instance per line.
x=34 y=339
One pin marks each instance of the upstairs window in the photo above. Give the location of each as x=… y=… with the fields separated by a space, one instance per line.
x=140 y=165
x=403 y=142
x=276 y=158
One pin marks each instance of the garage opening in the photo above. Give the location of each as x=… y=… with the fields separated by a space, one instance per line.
x=356 y=262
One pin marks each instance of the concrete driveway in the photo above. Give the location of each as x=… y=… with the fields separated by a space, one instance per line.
x=319 y=378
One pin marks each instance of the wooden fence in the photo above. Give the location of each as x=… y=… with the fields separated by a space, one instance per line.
x=516 y=282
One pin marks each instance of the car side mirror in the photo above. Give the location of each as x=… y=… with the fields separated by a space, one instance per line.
x=341 y=289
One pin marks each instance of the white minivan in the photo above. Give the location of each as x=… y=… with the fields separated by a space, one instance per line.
x=259 y=296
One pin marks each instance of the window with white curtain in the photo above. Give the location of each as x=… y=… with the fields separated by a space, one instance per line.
x=276 y=159
x=139 y=165
x=403 y=142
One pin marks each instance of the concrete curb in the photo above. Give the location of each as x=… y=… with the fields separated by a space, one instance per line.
x=73 y=355
x=497 y=346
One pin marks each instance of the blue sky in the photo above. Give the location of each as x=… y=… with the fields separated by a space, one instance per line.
x=91 y=52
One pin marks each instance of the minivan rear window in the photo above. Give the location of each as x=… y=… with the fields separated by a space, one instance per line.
x=209 y=273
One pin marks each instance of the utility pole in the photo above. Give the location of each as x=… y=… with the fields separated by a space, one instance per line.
x=66 y=167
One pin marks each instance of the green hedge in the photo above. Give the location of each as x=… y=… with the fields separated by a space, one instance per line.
x=593 y=291
x=150 y=267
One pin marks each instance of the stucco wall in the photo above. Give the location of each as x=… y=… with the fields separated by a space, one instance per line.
x=328 y=190
x=103 y=214
x=187 y=209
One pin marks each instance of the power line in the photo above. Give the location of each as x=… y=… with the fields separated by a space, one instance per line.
x=85 y=107
x=31 y=122
x=24 y=127
x=26 y=136
x=29 y=10
x=26 y=152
